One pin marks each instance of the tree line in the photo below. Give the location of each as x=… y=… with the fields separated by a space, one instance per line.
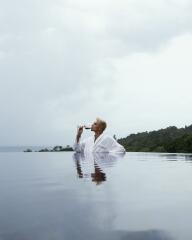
x=170 y=139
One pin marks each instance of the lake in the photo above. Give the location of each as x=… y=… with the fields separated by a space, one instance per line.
x=59 y=195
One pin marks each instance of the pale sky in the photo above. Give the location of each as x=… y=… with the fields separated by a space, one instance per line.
x=64 y=63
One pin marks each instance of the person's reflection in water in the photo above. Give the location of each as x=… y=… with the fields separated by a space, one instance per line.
x=92 y=165
x=98 y=176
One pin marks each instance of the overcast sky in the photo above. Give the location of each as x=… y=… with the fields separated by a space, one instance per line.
x=66 y=62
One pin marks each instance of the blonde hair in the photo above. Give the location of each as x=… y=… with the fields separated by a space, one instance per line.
x=102 y=123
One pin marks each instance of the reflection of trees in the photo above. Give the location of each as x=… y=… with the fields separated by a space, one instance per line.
x=177 y=157
x=188 y=157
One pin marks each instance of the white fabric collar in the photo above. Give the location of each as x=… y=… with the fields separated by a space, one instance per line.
x=98 y=139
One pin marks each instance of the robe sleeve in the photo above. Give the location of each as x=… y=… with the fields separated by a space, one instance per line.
x=115 y=147
x=79 y=147
x=109 y=144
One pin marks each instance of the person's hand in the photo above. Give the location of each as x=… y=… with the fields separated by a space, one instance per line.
x=79 y=130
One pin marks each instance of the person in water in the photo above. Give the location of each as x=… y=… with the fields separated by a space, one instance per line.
x=100 y=142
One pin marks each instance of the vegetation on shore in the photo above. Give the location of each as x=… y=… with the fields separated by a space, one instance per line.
x=171 y=139
x=54 y=149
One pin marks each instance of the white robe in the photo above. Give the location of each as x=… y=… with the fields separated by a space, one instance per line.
x=103 y=143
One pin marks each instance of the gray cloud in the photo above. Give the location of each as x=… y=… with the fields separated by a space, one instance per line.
x=65 y=63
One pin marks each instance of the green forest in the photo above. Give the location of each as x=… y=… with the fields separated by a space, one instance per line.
x=170 y=139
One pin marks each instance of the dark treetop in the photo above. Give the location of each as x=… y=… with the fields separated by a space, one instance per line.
x=171 y=139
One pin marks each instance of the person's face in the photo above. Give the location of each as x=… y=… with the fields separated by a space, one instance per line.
x=95 y=127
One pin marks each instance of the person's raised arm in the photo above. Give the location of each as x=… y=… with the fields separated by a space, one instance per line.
x=79 y=132
x=78 y=147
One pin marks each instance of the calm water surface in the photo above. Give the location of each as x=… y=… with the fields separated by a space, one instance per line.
x=54 y=196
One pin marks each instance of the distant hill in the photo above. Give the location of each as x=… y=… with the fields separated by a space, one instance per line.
x=170 y=139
